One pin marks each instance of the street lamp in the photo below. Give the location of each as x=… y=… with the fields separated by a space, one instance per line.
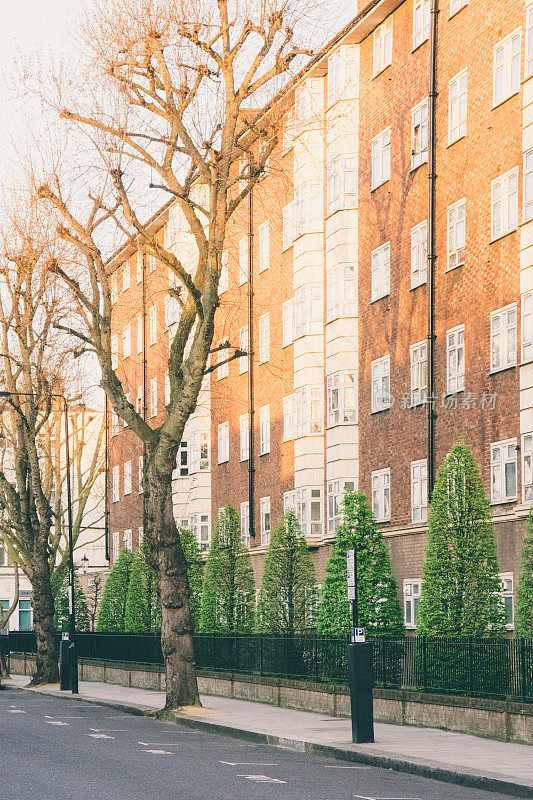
x=72 y=610
x=85 y=564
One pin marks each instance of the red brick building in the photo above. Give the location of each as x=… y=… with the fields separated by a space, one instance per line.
x=384 y=267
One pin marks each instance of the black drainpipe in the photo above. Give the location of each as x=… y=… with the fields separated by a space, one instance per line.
x=144 y=371
x=432 y=103
x=251 y=465
x=106 y=484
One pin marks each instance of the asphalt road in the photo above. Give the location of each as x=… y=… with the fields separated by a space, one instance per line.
x=62 y=749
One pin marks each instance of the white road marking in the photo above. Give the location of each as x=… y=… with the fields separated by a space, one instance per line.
x=159 y=752
x=248 y=764
x=107 y=730
x=335 y=766
x=162 y=744
x=55 y=722
x=99 y=736
x=16 y=711
x=362 y=797
x=261 y=779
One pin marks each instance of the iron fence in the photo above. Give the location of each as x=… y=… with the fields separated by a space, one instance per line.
x=486 y=667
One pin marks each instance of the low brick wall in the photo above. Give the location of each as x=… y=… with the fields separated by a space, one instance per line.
x=495 y=719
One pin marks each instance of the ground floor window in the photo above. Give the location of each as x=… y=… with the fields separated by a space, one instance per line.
x=411 y=601
x=507 y=590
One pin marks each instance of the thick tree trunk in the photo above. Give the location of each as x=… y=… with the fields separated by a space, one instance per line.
x=46 y=662
x=177 y=624
x=4 y=671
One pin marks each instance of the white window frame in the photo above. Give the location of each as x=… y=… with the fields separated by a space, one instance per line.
x=245 y=524
x=244 y=260
x=341 y=187
x=223 y=443
x=419 y=491
x=506 y=330
x=289 y=417
x=126 y=342
x=380 y=271
x=382 y=50
x=419 y=134
x=456 y=234
x=114 y=351
x=419 y=254
x=308 y=310
x=335 y=492
x=504 y=204
x=264 y=338
x=309 y=403
x=264 y=508
x=140 y=399
x=223 y=281
x=381 y=396
x=381 y=505
x=341 y=393
x=412 y=589
x=222 y=361
x=152 y=328
x=529 y=41
x=336 y=77
x=264 y=246
x=508 y=67
x=380 y=150
x=507 y=592
x=455 y=359
x=288 y=322
x=264 y=430
x=244 y=346
x=419 y=373
x=115 y=484
x=457 y=106
x=199 y=444
x=526 y=324
x=127 y=477
x=508 y=456
x=182 y=459
x=128 y=539
x=341 y=292
x=244 y=437
x=420 y=22
x=527 y=183
x=457 y=5
x=153 y=397
x=527 y=468
x=116 y=545
x=307 y=504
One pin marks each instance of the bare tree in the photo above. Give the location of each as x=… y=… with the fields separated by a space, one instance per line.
x=34 y=361
x=186 y=83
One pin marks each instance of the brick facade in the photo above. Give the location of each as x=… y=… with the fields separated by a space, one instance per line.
x=330 y=220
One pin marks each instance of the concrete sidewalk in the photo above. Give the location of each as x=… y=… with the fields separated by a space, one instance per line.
x=452 y=757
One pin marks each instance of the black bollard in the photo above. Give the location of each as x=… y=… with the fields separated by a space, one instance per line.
x=361 y=681
x=64 y=663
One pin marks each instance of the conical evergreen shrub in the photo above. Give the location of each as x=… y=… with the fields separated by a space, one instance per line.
x=143 y=607
x=111 y=618
x=228 y=587
x=524 y=597
x=195 y=569
x=461 y=585
x=379 y=606
x=288 y=593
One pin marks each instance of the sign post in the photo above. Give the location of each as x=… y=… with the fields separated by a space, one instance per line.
x=360 y=666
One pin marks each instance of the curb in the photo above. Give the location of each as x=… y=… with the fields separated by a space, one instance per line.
x=472 y=779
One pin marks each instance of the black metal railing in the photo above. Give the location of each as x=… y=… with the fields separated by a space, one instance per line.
x=486 y=667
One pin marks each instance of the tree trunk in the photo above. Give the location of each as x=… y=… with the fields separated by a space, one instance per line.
x=171 y=566
x=46 y=662
x=4 y=671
